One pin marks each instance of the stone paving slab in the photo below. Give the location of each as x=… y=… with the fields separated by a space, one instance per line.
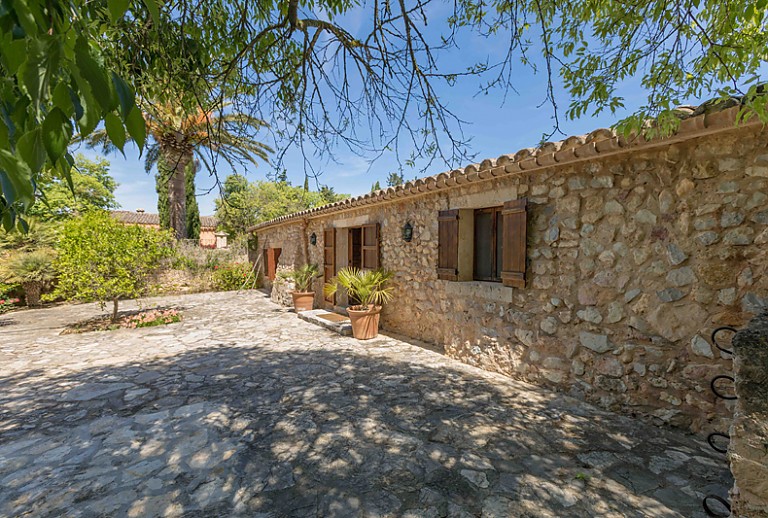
x=243 y=409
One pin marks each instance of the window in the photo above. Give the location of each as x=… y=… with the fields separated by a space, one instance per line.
x=486 y=244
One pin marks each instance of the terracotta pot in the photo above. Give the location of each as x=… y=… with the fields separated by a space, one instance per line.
x=303 y=300
x=365 y=323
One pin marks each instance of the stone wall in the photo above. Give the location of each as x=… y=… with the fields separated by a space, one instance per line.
x=748 y=450
x=633 y=259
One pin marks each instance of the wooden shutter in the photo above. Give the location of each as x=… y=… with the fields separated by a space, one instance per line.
x=370 y=249
x=448 y=245
x=329 y=257
x=514 y=247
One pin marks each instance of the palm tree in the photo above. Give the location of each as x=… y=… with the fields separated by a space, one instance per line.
x=178 y=136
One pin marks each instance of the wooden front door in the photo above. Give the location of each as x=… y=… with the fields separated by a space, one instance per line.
x=329 y=258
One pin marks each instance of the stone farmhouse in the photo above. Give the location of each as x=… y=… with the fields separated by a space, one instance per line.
x=596 y=266
x=209 y=238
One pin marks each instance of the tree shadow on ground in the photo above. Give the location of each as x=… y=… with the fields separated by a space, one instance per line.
x=317 y=432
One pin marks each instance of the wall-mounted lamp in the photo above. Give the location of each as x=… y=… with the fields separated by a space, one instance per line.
x=407 y=232
x=313 y=239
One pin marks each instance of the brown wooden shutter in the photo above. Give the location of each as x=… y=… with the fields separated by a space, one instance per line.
x=272 y=256
x=514 y=243
x=329 y=257
x=370 y=249
x=448 y=245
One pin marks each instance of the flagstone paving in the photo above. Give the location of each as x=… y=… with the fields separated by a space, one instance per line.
x=243 y=409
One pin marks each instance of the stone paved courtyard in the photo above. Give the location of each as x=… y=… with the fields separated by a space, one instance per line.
x=243 y=409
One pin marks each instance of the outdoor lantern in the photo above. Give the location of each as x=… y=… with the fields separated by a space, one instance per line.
x=407 y=232
x=313 y=239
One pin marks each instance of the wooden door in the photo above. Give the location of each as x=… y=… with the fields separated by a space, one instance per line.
x=329 y=258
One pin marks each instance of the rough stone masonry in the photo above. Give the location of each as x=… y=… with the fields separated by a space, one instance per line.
x=634 y=256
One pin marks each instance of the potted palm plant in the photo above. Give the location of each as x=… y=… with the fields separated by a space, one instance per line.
x=367 y=287
x=302 y=277
x=33 y=270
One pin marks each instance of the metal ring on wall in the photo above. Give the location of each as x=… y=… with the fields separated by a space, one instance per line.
x=715 y=391
x=710 y=441
x=714 y=338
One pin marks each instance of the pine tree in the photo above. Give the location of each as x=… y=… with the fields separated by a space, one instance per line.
x=193 y=211
x=376 y=186
x=394 y=179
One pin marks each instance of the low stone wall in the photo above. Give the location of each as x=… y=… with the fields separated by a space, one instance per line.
x=748 y=450
x=632 y=261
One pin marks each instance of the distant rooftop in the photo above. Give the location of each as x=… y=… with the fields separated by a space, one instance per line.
x=139 y=217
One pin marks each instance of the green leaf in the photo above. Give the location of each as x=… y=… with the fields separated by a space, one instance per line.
x=14 y=52
x=136 y=127
x=16 y=179
x=63 y=100
x=124 y=95
x=91 y=113
x=57 y=132
x=154 y=11
x=25 y=16
x=117 y=8
x=94 y=74
x=30 y=148
x=64 y=165
x=115 y=130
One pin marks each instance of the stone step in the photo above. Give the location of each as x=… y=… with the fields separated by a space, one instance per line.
x=331 y=321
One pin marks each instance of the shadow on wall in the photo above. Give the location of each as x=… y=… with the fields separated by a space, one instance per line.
x=328 y=433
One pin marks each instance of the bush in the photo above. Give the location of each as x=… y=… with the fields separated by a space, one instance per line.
x=234 y=276
x=7 y=304
x=103 y=260
x=32 y=270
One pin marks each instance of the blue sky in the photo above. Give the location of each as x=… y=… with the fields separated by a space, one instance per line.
x=497 y=125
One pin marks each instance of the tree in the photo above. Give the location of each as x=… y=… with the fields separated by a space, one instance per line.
x=178 y=137
x=100 y=259
x=376 y=186
x=193 y=210
x=321 y=80
x=394 y=179
x=92 y=189
x=32 y=270
x=55 y=82
x=244 y=204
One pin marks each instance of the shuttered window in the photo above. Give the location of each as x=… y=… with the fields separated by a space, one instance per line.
x=515 y=218
x=448 y=245
x=488 y=246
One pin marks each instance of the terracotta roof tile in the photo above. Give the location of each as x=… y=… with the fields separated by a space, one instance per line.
x=149 y=218
x=706 y=119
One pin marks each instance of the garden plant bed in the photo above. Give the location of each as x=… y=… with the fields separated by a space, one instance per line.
x=127 y=320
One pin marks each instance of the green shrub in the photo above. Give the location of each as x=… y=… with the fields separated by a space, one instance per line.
x=7 y=304
x=102 y=260
x=234 y=276
x=32 y=270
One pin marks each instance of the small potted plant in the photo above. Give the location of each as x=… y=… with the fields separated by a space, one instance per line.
x=303 y=296
x=369 y=289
